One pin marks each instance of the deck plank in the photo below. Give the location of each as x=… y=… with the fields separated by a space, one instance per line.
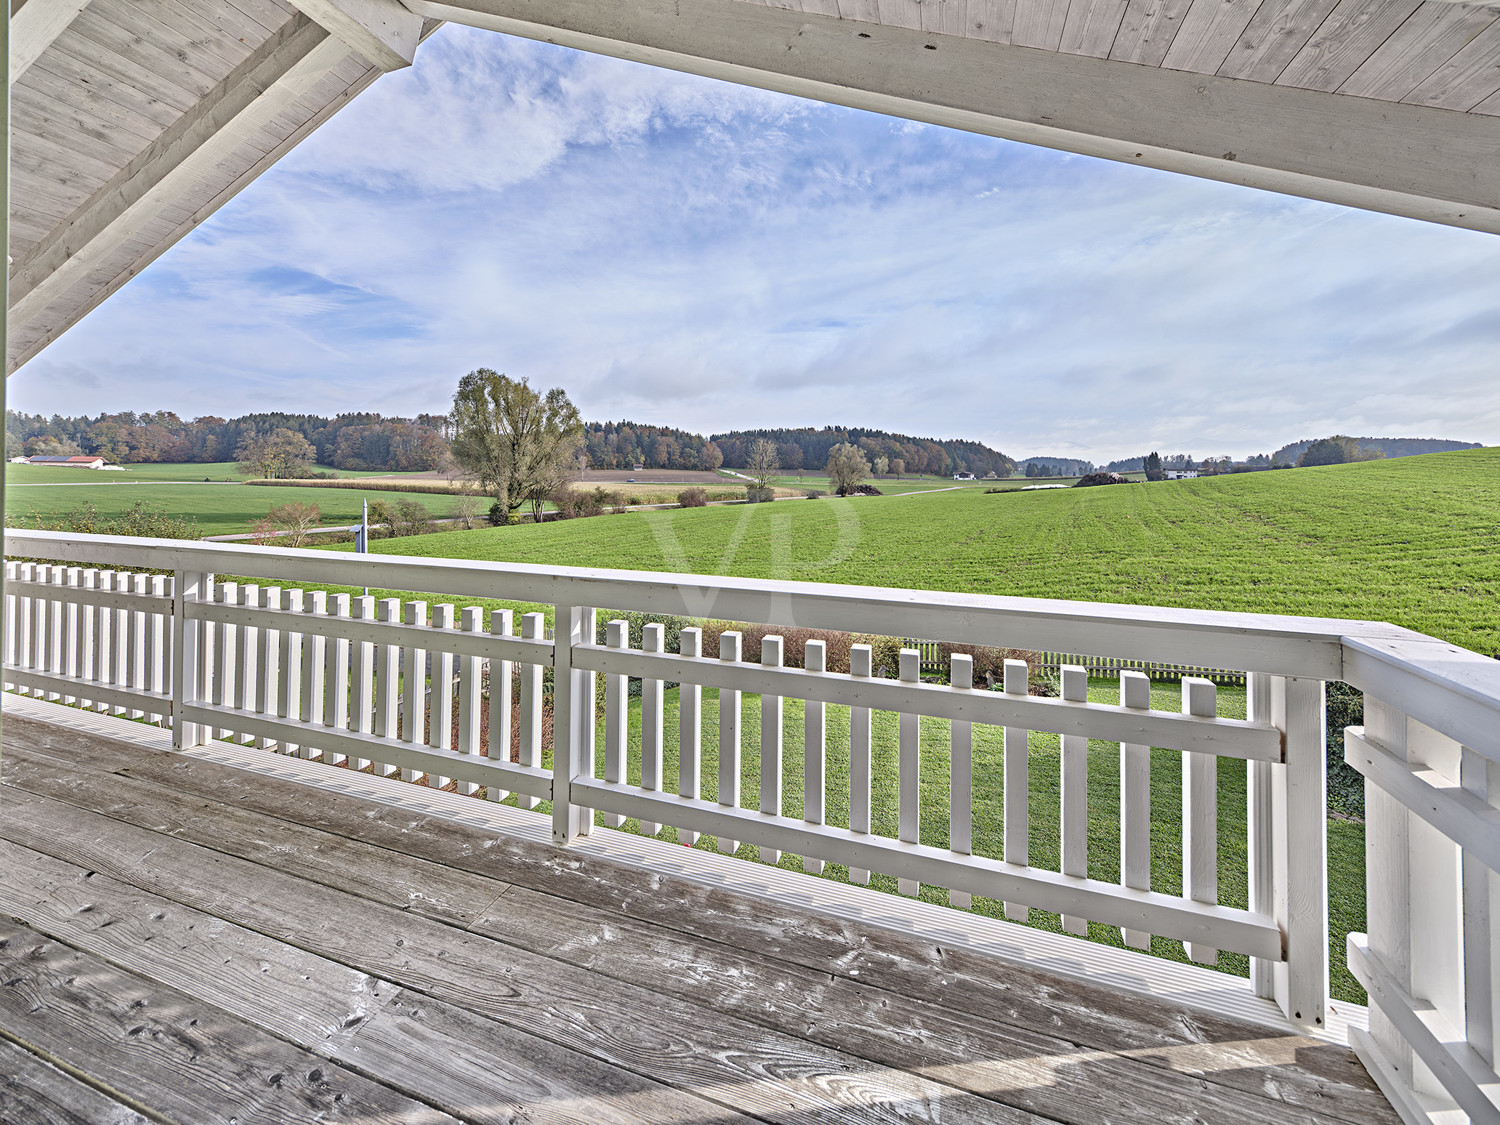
x=464 y=1064
x=1237 y=1055
x=174 y=1053
x=34 y=1092
x=750 y=1068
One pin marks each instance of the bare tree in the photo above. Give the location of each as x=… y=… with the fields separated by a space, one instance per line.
x=465 y=510
x=847 y=468
x=289 y=524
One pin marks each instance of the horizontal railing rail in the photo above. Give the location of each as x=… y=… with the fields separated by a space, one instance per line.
x=940 y=775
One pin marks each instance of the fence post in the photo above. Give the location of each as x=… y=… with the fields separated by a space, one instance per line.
x=1261 y=832
x=1299 y=813
x=572 y=722
x=188 y=666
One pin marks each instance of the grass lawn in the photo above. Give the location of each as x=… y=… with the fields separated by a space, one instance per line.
x=220 y=508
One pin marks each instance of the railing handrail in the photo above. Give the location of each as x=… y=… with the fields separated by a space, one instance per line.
x=1283 y=645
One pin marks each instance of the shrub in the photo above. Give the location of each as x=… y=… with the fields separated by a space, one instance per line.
x=411 y=518
x=814 y=493
x=499 y=514
x=759 y=494
x=1100 y=478
x=692 y=498
x=141 y=520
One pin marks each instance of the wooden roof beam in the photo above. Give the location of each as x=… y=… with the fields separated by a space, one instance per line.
x=1434 y=164
x=279 y=72
x=381 y=31
x=34 y=24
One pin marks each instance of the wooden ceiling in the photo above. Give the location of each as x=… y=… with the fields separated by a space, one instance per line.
x=134 y=120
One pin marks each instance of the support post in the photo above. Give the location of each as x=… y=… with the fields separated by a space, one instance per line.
x=1300 y=849
x=572 y=722
x=188 y=666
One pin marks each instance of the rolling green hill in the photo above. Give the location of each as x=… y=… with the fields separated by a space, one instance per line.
x=1414 y=541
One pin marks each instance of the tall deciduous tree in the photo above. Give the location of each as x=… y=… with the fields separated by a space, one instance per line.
x=280 y=454
x=519 y=444
x=847 y=468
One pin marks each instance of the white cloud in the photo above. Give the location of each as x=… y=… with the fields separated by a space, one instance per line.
x=687 y=252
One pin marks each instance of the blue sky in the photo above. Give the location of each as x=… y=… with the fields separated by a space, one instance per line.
x=676 y=250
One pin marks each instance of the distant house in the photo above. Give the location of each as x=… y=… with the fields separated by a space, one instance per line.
x=963 y=476
x=80 y=462
x=1181 y=474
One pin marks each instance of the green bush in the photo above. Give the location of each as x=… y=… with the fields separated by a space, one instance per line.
x=1346 y=786
x=756 y=494
x=146 y=521
x=692 y=498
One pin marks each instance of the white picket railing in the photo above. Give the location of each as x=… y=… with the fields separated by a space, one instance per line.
x=457 y=693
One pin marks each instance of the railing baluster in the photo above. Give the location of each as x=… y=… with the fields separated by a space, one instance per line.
x=362 y=699
x=268 y=682
x=226 y=653
x=469 y=710
x=814 y=750
x=388 y=681
x=572 y=722
x=413 y=687
x=1075 y=794
x=861 y=663
x=1478 y=905
x=68 y=638
x=440 y=727
x=1018 y=786
x=189 y=668
x=336 y=679
x=140 y=585
x=41 y=620
x=12 y=572
x=157 y=657
x=771 y=654
x=249 y=662
x=616 y=717
x=909 y=769
x=690 y=731
x=25 y=631
x=653 y=639
x=314 y=668
x=500 y=701
x=533 y=626
x=1200 y=814
x=1135 y=803
x=730 y=651
x=960 y=775
x=88 y=653
x=1260 y=845
x=289 y=688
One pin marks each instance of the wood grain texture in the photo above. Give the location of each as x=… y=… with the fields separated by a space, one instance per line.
x=1348 y=37
x=1278 y=30
x=1319 y=1077
x=1467 y=79
x=34 y=1092
x=174 y=1053
x=1209 y=31
x=1147 y=29
x=1039 y=23
x=1432 y=35
x=1091 y=26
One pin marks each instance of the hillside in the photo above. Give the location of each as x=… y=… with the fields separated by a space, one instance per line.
x=1386 y=447
x=1414 y=541
x=807 y=448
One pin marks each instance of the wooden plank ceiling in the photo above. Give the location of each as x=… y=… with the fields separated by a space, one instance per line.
x=133 y=120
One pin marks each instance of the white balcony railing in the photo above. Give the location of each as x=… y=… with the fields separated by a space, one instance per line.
x=348 y=680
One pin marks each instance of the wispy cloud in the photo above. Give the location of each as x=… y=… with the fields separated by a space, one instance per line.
x=689 y=252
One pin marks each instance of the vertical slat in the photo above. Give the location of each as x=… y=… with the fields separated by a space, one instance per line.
x=1075 y=794
x=469 y=701
x=616 y=717
x=533 y=626
x=1479 y=953
x=814 y=750
x=387 y=681
x=1387 y=878
x=68 y=641
x=336 y=679
x=1258 y=803
x=730 y=651
x=500 y=672
x=440 y=728
x=572 y=722
x=1017 y=787
x=413 y=686
x=249 y=661
x=25 y=638
x=1135 y=803
x=1300 y=817
x=314 y=666
x=42 y=619
x=771 y=655
x=289 y=687
x=909 y=769
x=690 y=731
x=226 y=652
x=104 y=638
x=156 y=645
x=653 y=639
x=1200 y=814
x=139 y=585
x=88 y=655
x=187 y=655
x=268 y=683
x=362 y=687
x=12 y=572
x=861 y=663
x=960 y=774
x=57 y=617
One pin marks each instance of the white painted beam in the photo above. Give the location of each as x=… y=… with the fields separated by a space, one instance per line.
x=276 y=75
x=34 y=24
x=1432 y=164
x=381 y=31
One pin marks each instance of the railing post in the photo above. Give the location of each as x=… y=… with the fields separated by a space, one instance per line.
x=188 y=666
x=572 y=722
x=1261 y=831
x=1299 y=813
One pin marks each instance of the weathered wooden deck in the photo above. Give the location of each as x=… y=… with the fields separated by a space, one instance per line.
x=185 y=941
